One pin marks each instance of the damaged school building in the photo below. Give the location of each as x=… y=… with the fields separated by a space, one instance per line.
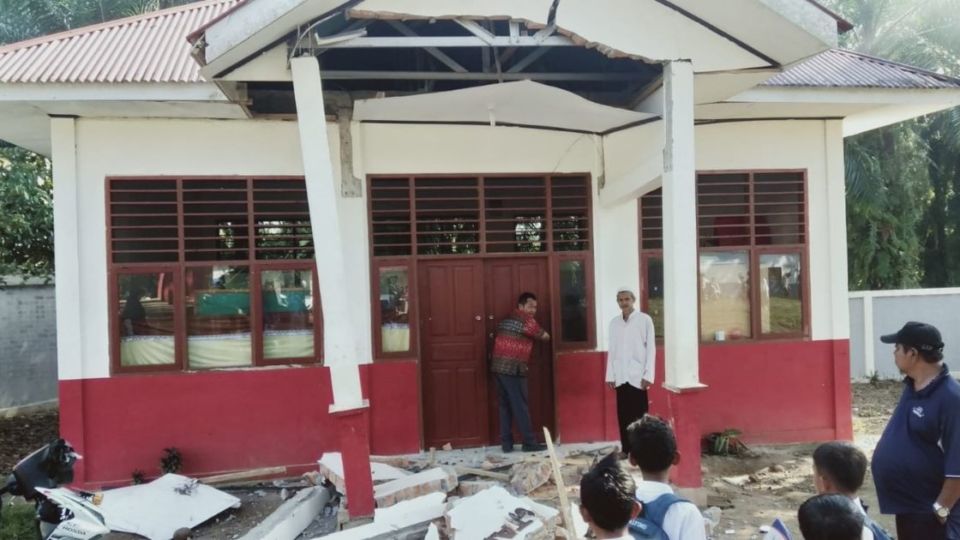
x=289 y=227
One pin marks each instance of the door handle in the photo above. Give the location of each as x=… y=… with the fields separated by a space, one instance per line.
x=490 y=317
x=478 y=318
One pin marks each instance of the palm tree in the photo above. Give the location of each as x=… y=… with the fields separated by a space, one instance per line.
x=902 y=180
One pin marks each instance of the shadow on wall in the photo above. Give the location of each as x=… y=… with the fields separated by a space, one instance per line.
x=28 y=344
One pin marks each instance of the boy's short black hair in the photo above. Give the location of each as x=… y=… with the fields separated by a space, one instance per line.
x=843 y=463
x=522 y=299
x=653 y=445
x=830 y=517
x=608 y=492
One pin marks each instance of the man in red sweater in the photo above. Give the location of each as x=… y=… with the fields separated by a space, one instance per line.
x=510 y=364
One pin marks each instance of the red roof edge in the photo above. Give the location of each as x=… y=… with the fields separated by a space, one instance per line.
x=843 y=25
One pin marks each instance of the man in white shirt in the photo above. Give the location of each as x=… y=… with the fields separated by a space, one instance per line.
x=631 y=362
x=653 y=448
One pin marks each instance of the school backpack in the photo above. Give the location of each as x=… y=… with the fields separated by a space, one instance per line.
x=649 y=524
x=879 y=533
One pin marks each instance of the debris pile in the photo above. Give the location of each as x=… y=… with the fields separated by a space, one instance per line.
x=467 y=494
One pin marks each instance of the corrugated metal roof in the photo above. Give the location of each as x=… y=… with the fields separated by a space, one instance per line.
x=839 y=68
x=147 y=48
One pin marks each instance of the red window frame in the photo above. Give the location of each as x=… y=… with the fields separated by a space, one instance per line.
x=754 y=251
x=178 y=270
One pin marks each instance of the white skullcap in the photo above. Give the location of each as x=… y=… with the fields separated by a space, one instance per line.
x=626 y=289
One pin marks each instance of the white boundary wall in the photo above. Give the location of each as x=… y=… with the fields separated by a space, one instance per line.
x=875 y=313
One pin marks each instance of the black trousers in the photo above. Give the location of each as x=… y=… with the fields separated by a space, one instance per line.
x=632 y=404
x=920 y=527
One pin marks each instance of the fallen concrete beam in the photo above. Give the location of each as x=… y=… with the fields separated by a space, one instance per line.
x=331 y=467
x=439 y=479
x=293 y=516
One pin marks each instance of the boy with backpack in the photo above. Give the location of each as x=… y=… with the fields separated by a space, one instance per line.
x=663 y=515
x=607 y=500
x=839 y=468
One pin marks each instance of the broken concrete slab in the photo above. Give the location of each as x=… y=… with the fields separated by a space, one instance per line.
x=439 y=479
x=529 y=475
x=494 y=511
x=472 y=487
x=331 y=467
x=157 y=509
x=406 y=519
x=293 y=516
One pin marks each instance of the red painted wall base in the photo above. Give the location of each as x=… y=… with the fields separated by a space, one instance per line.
x=774 y=392
x=228 y=420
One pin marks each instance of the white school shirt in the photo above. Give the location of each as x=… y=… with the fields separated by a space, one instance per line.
x=631 y=356
x=683 y=520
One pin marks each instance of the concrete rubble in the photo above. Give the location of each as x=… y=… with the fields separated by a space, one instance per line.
x=478 y=493
x=465 y=494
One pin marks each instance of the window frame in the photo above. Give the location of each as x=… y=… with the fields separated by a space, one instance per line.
x=409 y=263
x=179 y=268
x=754 y=252
x=552 y=256
x=556 y=259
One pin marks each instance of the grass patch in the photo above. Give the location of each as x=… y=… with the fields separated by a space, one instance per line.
x=16 y=522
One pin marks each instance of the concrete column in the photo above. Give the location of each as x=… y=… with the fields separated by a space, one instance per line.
x=681 y=282
x=66 y=253
x=341 y=344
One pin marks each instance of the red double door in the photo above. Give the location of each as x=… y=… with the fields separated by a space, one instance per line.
x=461 y=302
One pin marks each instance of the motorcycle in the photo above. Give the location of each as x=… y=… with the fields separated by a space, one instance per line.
x=61 y=513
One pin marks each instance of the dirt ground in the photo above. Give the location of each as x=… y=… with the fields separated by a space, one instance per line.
x=751 y=491
x=774 y=480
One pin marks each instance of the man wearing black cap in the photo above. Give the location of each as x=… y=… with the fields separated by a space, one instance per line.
x=916 y=465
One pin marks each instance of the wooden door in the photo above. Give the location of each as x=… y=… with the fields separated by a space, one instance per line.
x=453 y=358
x=506 y=279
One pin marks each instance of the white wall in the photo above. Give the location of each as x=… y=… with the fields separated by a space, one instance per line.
x=244 y=147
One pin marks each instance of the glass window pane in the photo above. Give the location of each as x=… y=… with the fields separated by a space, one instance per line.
x=288 y=327
x=781 y=296
x=724 y=296
x=394 y=297
x=218 y=316
x=654 y=290
x=573 y=301
x=145 y=309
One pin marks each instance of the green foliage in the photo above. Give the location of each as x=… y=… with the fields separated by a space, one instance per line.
x=903 y=181
x=725 y=443
x=26 y=204
x=26 y=228
x=24 y=19
x=172 y=461
x=17 y=522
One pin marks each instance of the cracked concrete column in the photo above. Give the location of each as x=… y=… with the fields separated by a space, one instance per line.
x=681 y=280
x=341 y=344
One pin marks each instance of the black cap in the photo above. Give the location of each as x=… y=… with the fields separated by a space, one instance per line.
x=920 y=336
